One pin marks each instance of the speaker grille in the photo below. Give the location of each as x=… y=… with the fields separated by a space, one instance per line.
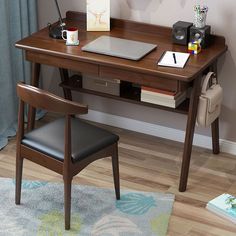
x=179 y=33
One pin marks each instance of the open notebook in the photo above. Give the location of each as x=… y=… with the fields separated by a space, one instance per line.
x=173 y=59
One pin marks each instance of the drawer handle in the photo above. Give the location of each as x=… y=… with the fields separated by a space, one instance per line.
x=101 y=83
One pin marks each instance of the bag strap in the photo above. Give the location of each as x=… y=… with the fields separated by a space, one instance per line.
x=206 y=81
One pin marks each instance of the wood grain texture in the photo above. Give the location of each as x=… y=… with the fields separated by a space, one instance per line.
x=40 y=43
x=42 y=99
x=41 y=49
x=149 y=163
x=34 y=82
x=38 y=98
x=189 y=133
x=64 y=77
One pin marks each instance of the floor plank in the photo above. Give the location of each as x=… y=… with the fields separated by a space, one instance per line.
x=149 y=163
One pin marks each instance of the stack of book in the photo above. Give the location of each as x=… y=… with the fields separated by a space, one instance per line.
x=162 y=97
x=224 y=206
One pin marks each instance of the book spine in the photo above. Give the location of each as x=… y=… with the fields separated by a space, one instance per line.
x=160 y=91
x=221 y=213
x=163 y=96
x=163 y=101
x=159 y=95
x=158 y=102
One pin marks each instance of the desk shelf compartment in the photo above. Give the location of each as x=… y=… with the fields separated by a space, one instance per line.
x=127 y=95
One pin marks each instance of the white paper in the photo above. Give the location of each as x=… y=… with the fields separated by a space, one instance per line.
x=168 y=59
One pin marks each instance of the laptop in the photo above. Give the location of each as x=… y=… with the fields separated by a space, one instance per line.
x=117 y=47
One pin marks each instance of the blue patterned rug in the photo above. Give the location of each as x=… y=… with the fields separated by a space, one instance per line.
x=95 y=212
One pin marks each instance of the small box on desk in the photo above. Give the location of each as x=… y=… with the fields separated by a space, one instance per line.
x=108 y=86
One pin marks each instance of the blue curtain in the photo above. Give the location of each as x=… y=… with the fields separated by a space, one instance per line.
x=18 y=19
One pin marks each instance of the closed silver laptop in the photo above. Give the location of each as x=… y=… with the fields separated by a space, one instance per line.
x=117 y=47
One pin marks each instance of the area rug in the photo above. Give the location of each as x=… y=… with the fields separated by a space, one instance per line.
x=95 y=211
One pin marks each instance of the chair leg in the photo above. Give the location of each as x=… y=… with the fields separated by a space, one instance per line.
x=19 y=166
x=67 y=201
x=115 y=167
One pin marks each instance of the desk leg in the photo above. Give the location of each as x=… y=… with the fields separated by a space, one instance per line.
x=215 y=124
x=192 y=114
x=65 y=77
x=215 y=136
x=34 y=82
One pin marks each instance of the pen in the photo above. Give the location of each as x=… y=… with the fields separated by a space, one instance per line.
x=174 y=58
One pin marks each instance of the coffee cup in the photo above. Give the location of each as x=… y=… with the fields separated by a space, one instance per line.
x=71 y=36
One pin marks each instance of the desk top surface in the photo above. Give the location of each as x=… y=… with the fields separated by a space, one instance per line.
x=40 y=42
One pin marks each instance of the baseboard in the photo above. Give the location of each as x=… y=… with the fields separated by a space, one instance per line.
x=157 y=130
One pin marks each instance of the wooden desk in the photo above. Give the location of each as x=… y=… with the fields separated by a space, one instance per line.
x=41 y=49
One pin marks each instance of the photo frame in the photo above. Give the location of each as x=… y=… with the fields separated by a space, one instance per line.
x=98 y=15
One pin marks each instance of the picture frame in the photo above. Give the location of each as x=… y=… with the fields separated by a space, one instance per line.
x=98 y=15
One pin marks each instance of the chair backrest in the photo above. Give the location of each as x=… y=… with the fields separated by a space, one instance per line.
x=39 y=98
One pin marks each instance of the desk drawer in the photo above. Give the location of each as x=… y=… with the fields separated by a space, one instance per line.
x=83 y=67
x=139 y=78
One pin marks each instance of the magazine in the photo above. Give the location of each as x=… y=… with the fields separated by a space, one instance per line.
x=224 y=205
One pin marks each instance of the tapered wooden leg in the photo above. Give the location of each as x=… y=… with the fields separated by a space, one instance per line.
x=34 y=82
x=19 y=166
x=115 y=167
x=67 y=202
x=64 y=78
x=215 y=124
x=215 y=136
x=192 y=114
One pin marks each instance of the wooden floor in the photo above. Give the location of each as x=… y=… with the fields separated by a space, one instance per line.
x=148 y=163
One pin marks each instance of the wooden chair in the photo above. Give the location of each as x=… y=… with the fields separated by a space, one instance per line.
x=66 y=145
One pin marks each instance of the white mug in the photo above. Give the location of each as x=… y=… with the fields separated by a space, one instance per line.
x=71 y=36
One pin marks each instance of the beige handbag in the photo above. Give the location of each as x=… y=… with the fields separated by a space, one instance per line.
x=209 y=101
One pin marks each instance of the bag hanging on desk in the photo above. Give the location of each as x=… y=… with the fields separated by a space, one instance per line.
x=209 y=101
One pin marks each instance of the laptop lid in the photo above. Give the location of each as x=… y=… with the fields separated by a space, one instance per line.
x=117 y=47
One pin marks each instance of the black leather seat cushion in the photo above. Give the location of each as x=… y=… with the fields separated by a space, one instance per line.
x=86 y=139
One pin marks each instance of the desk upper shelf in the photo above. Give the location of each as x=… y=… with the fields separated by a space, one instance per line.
x=41 y=43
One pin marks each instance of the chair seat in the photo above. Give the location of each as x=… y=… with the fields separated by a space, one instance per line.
x=86 y=139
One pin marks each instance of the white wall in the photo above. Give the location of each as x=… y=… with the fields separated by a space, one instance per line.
x=222 y=18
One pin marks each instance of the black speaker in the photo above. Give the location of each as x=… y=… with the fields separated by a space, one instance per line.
x=180 y=32
x=204 y=34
